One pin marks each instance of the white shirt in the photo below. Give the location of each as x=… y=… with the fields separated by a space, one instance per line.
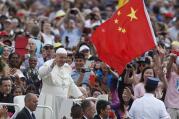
x=48 y=39
x=148 y=107
x=173 y=33
x=85 y=117
x=19 y=73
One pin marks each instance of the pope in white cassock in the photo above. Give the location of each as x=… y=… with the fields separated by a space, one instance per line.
x=57 y=85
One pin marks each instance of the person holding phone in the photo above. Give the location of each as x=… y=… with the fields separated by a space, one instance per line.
x=71 y=27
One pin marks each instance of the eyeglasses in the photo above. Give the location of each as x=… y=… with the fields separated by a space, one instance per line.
x=48 y=47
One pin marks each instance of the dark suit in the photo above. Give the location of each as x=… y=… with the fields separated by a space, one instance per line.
x=97 y=117
x=24 y=114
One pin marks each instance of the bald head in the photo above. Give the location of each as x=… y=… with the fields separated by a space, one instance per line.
x=31 y=101
x=28 y=97
x=31 y=46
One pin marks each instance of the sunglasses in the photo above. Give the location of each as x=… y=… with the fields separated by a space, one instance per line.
x=48 y=47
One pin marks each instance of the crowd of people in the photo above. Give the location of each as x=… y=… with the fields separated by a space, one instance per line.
x=47 y=55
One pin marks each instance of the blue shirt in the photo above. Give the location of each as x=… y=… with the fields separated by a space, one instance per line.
x=38 y=44
x=100 y=76
x=76 y=75
x=73 y=37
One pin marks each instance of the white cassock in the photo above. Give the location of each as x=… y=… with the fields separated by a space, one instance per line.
x=57 y=86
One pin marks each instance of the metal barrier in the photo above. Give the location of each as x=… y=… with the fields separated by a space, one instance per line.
x=41 y=106
x=12 y=104
x=48 y=107
x=19 y=99
x=66 y=105
x=88 y=98
x=18 y=108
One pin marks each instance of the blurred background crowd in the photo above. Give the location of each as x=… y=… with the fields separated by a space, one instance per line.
x=32 y=30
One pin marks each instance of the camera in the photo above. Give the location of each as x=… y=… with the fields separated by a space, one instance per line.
x=19 y=31
x=83 y=70
x=93 y=16
x=163 y=33
x=129 y=66
x=175 y=52
x=132 y=66
x=73 y=12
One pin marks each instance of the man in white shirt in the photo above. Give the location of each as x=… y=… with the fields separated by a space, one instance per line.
x=149 y=107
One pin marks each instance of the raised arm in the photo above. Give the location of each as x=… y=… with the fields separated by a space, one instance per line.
x=129 y=76
x=81 y=19
x=45 y=71
x=170 y=65
x=74 y=90
x=159 y=69
x=61 y=21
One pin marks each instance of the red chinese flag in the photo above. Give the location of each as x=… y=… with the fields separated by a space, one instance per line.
x=125 y=36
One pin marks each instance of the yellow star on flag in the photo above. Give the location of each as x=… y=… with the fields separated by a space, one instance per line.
x=116 y=21
x=123 y=31
x=118 y=13
x=119 y=28
x=132 y=15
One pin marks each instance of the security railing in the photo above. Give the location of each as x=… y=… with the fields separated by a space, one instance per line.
x=47 y=107
x=18 y=108
x=14 y=105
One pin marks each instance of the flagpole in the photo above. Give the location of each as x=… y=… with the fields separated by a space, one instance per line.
x=150 y=24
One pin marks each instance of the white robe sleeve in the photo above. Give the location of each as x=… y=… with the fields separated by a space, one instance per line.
x=45 y=72
x=74 y=90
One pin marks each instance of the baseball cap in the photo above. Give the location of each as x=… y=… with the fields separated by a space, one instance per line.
x=84 y=47
x=59 y=14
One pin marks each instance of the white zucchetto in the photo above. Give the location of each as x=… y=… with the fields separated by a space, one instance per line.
x=61 y=51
